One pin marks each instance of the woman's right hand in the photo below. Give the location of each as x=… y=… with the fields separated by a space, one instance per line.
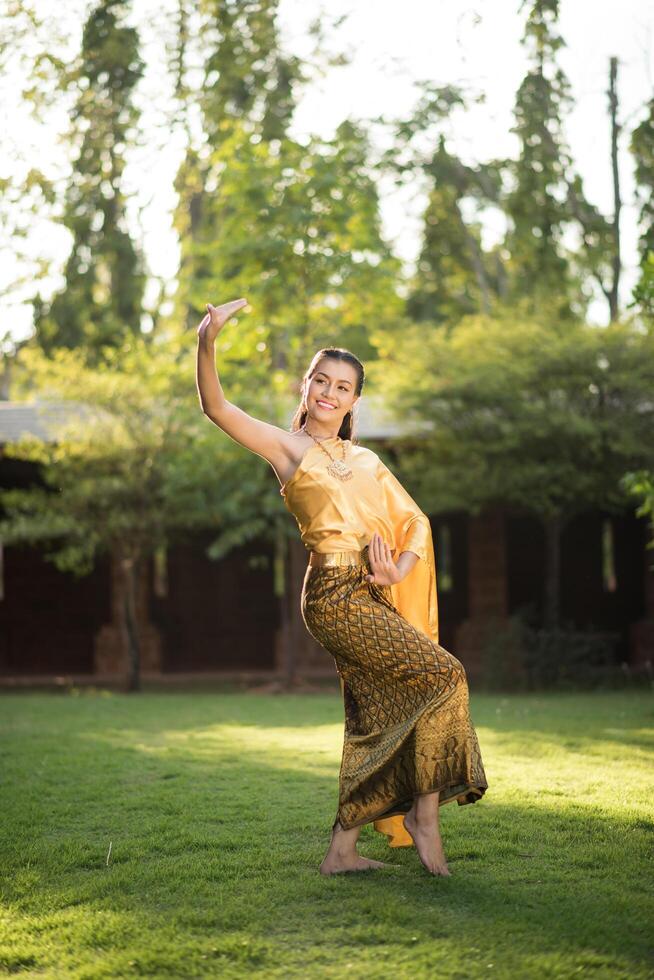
x=216 y=318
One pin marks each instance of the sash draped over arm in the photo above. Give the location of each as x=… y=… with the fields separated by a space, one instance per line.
x=415 y=597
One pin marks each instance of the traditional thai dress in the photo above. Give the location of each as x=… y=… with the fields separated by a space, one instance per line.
x=407 y=723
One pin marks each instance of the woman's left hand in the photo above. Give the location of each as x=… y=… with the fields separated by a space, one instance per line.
x=384 y=569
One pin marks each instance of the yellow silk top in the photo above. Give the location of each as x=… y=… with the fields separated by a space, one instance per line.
x=341 y=515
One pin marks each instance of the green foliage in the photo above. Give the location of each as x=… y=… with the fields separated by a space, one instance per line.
x=247 y=76
x=537 y=199
x=519 y=656
x=537 y=195
x=296 y=230
x=246 y=87
x=293 y=226
x=135 y=466
x=32 y=40
x=455 y=275
x=640 y=485
x=521 y=413
x=443 y=287
x=644 y=289
x=530 y=413
x=100 y=304
x=642 y=148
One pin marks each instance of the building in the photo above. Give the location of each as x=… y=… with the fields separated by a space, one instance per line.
x=195 y=616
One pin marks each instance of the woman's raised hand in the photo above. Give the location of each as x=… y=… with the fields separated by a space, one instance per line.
x=384 y=569
x=216 y=318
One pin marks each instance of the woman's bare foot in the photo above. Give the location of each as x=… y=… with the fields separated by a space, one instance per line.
x=342 y=854
x=335 y=863
x=423 y=826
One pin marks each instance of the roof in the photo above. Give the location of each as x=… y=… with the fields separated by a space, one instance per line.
x=35 y=418
x=40 y=418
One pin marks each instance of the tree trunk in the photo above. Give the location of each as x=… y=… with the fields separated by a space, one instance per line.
x=552 y=571
x=586 y=214
x=131 y=568
x=616 y=258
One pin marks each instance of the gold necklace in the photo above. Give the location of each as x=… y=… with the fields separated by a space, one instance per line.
x=337 y=467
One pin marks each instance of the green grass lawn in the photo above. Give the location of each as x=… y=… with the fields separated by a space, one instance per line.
x=218 y=807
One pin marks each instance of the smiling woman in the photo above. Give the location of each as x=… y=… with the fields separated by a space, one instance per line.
x=369 y=599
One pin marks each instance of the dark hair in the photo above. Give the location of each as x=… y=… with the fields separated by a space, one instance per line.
x=339 y=354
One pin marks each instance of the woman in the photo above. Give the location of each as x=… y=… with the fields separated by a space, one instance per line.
x=409 y=744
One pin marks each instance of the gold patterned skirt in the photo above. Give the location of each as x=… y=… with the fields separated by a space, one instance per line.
x=407 y=721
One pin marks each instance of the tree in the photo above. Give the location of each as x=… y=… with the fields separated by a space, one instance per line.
x=33 y=49
x=246 y=85
x=298 y=234
x=133 y=468
x=100 y=303
x=538 y=415
x=536 y=202
x=600 y=256
x=454 y=275
x=293 y=226
x=538 y=194
x=641 y=484
x=642 y=148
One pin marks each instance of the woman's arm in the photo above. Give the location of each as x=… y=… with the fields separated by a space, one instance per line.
x=406 y=561
x=262 y=438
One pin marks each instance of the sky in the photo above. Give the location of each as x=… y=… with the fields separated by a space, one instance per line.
x=391 y=46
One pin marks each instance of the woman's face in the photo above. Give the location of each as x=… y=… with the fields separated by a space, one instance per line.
x=330 y=392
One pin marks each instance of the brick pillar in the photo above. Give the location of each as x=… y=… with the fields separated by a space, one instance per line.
x=641 y=634
x=110 y=646
x=487 y=589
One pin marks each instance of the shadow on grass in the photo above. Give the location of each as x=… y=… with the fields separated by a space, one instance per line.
x=215 y=838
